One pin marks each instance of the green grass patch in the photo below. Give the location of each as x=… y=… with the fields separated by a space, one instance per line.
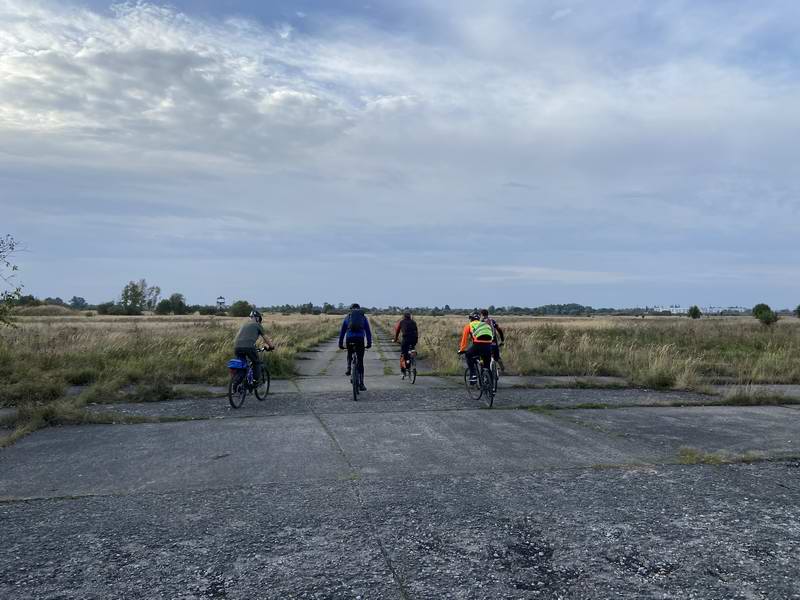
x=693 y=456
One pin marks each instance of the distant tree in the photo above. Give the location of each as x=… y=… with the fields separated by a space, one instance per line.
x=10 y=292
x=54 y=301
x=765 y=314
x=28 y=300
x=694 y=312
x=151 y=295
x=240 y=308
x=178 y=303
x=132 y=300
x=328 y=308
x=797 y=311
x=446 y=308
x=164 y=307
x=109 y=308
x=78 y=303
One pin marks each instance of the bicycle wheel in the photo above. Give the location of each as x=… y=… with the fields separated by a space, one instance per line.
x=495 y=377
x=355 y=377
x=237 y=390
x=413 y=373
x=262 y=389
x=474 y=390
x=487 y=386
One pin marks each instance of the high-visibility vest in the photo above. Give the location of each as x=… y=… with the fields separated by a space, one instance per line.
x=481 y=331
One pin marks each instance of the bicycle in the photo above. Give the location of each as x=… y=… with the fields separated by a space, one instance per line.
x=356 y=376
x=485 y=387
x=411 y=366
x=242 y=381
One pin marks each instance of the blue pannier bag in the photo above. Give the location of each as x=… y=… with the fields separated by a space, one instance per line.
x=237 y=363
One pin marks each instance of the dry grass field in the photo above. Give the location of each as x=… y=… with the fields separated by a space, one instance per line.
x=117 y=358
x=110 y=359
x=657 y=352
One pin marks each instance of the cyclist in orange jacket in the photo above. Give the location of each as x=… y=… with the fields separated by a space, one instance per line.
x=476 y=342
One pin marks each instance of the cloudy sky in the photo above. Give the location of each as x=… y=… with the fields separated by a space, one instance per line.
x=463 y=152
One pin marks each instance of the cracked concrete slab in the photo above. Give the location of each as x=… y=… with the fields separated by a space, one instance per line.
x=772 y=430
x=103 y=459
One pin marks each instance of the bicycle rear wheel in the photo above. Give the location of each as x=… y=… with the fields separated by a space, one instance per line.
x=413 y=373
x=495 y=377
x=474 y=390
x=262 y=389
x=355 y=376
x=237 y=390
x=487 y=385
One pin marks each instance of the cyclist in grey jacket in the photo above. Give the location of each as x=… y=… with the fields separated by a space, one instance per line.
x=245 y=343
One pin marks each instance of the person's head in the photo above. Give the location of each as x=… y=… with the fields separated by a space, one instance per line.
x=474 y=316
x=256 y=316
x=484 y=313
x=354 y=306
x=407 y=315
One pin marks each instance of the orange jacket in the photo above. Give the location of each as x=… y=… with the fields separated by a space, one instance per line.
x=466 y=337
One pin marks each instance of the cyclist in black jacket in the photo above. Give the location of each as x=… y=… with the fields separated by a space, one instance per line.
x=408 y=327
x=499 y=333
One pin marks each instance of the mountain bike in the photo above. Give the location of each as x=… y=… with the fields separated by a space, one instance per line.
x=356 y=376
x=411 y=366
x=242 y=381
x=485 y=387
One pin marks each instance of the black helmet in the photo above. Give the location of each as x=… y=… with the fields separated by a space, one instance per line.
x=254 y=314
x=355 y=305
x=474 y=316
x=407 y=315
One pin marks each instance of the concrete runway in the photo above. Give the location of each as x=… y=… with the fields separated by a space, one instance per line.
x=412 y=492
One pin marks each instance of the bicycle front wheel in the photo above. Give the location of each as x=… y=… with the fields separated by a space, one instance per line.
x=262 y=389
x=237 y=390
x=474 y=390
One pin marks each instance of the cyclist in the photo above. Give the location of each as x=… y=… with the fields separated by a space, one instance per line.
x=476 y=342
x=498 y=332
x=245 y=344
x=408 y=327
x=355 y=330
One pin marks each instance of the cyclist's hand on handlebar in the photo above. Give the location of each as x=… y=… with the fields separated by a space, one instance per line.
x=341 y=347
x=460 y=352
x=368 y=346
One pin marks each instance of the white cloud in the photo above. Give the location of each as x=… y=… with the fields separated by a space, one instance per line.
x=642 y=124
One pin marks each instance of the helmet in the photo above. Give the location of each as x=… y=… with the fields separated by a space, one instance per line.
x=407 y=315
x=254 y=314
x=355 y=305
x=474 y=316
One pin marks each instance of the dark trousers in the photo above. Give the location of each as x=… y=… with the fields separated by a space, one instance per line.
x=405 y=348
x=475 y=351
x=356 y=344
x=251 y=354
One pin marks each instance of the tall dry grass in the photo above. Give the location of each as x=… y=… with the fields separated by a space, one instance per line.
x=653 y=352
x=42 y=356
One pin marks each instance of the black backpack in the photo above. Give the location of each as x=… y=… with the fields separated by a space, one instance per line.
x=357 y=320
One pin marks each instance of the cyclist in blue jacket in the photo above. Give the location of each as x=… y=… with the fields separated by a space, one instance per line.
x=354 y=332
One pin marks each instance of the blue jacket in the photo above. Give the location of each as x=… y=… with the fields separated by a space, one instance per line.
x=355 y=334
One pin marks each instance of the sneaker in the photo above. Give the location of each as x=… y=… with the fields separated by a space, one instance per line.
x=362 y=388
